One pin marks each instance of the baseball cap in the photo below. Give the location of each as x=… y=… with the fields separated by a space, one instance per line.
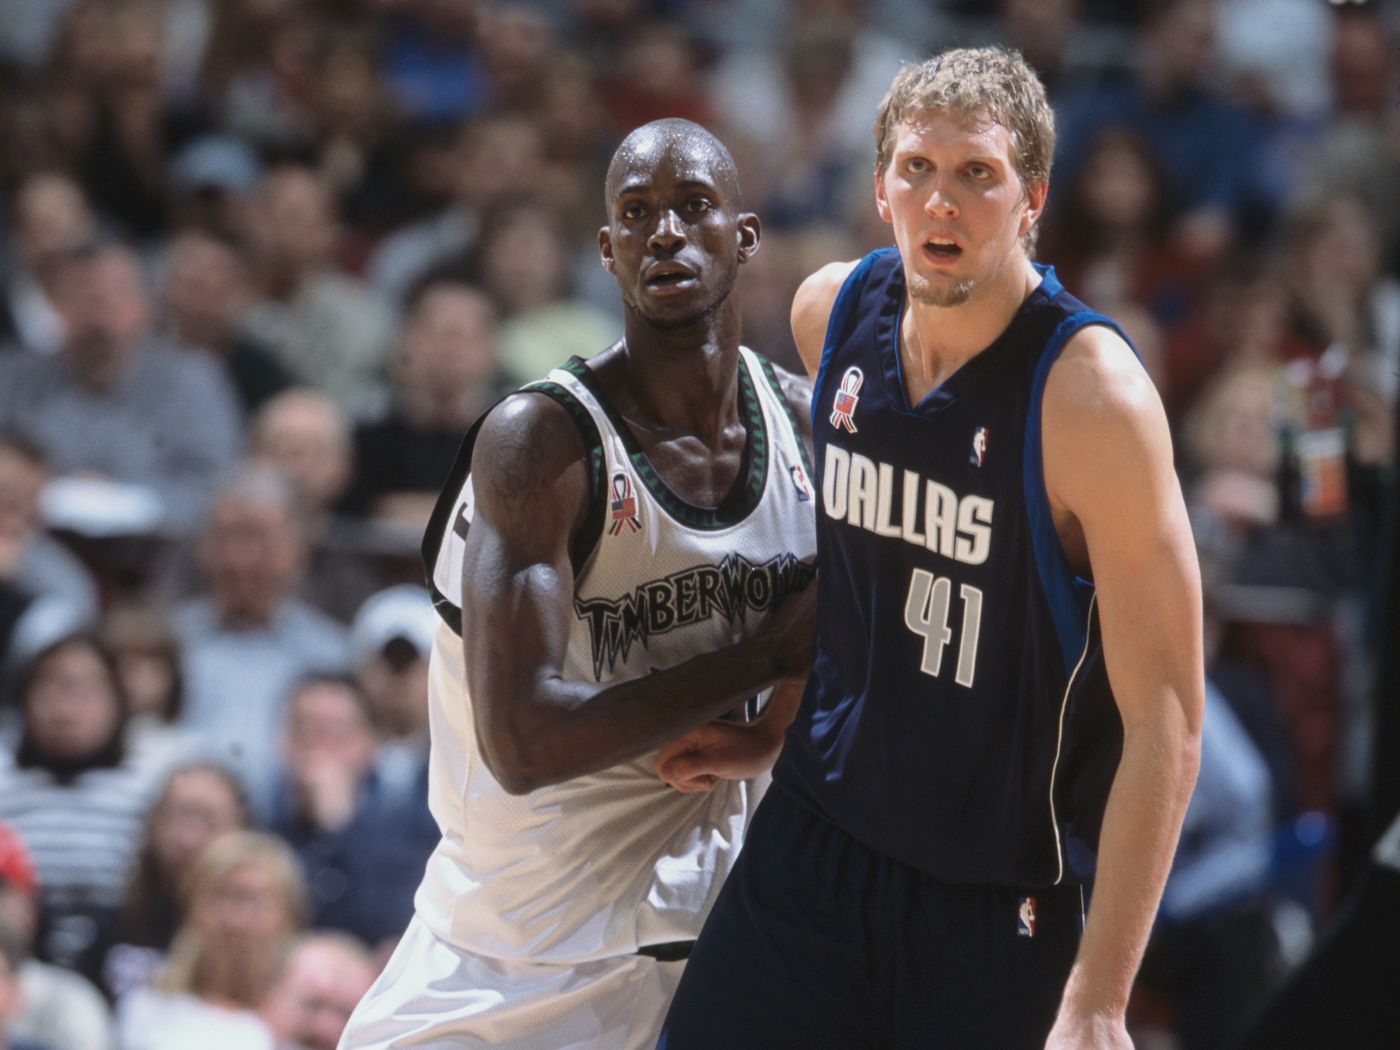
x=16 y=868
x=216 y=162
x=403 y=612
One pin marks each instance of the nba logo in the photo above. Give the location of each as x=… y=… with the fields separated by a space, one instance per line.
x=979 y=447
x=843 y=405
x=1025 y=918
x=799 y=481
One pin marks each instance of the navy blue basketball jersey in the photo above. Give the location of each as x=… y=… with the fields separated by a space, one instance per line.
x=958 y=716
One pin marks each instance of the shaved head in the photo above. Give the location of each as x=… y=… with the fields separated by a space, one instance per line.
x=685 y=143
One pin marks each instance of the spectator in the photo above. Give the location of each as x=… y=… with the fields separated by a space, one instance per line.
x=447 y=370
x=208 y=291
x=250 y=638
x=120 y=404
x=74 y=779
x=244 y=905
x=305 y=436
x=31 y=559
x=326 y=327
x=356 y=843
x=200 y=802
x=522 y=259
x=1207 y=144
x=324 y=978
x=494 y=156
x=1110 y=238
x=392 y=638
x=60 y=1009
x=52 y=217
x=147 y=654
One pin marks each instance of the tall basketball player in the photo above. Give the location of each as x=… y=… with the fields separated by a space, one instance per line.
x=608 y=575
x=1005 y=702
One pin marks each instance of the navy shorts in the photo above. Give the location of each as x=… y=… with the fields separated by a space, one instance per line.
x=820 y=943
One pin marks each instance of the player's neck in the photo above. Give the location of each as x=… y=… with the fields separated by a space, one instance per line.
x=935 y=341
x=681 y=381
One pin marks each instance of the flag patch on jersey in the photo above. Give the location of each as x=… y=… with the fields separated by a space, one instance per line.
x=979 y=447
x=843 y=405
x=799 y=481
x=623 y=506
x=1025 y=918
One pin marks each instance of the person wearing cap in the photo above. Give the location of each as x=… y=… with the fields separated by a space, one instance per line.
x=391 y=639
x=54 y=1008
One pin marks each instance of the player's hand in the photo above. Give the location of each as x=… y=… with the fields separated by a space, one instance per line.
x=1092 y=1032
x=717 y=751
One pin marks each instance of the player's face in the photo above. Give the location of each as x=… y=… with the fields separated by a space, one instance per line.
x=675 y=237
x=957 y=206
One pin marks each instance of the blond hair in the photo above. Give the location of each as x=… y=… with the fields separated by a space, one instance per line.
x=985 y=85
x=185 y=966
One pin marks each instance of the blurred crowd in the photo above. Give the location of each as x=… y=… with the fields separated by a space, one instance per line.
x=263 y=262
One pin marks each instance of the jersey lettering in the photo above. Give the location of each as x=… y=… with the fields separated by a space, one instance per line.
x=730 y=590
x=861 y=491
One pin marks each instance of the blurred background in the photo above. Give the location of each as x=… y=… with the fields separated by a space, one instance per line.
x=262 y=262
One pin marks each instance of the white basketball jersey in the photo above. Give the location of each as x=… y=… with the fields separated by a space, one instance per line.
x=605 y=863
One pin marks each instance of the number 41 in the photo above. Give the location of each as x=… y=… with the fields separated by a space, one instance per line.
x=926 y=614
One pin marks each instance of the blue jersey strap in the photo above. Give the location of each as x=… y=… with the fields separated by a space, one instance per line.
x=1066 y=593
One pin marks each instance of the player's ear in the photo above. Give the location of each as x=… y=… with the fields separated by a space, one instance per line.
x=882 y=202
x=605 y=252
x=750 y=233
x=1036 y=192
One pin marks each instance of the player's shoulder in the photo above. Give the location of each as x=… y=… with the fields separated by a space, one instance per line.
x=528 y=427
x=811 y=308
x=1098 y=380
x=820 y=288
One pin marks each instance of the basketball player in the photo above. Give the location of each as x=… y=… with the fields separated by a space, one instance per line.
x=959 y=769
x=634 y=523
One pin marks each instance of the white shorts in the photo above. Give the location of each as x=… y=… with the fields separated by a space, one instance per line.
x=434 y=995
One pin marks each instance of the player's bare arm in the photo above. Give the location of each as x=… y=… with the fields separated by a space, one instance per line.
x=1113 y=489
x=534 y=726
x=811 y=310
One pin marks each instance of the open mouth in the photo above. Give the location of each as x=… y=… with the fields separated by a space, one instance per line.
x=670 y=276
x=942 y=249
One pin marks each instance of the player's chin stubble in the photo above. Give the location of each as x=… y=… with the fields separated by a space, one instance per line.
x=921 y=290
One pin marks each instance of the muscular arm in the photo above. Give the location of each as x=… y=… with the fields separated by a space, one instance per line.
x=1108 y=466
x=534 y=726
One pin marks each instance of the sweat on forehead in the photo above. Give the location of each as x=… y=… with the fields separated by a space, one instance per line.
x=682 y=143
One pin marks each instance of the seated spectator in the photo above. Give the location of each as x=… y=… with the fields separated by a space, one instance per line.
x=147 y=653
x=324 y=979
x=30 y=559
x=74 y=781
x=327 y=328
x=208 y=290
x=144 y=425
x=523 y=260
x=51 y=218
x=60 y=1009
x=249 y=639
x=200 y=802
x=446 y=372
x=494 y=155
x=362 y=850
x=304 y=435
x=245 y=902
x=392 y=638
